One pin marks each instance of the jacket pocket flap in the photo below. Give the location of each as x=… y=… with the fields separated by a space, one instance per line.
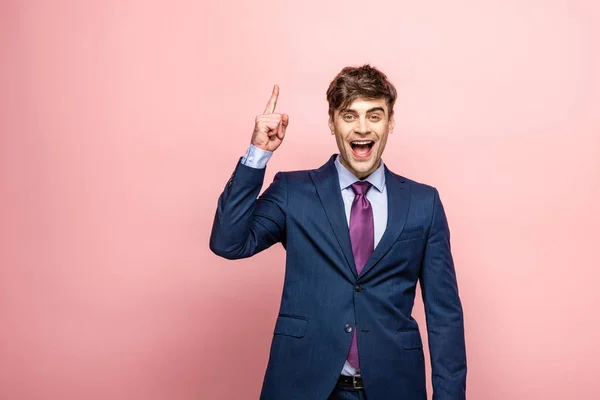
x=291 y=326
x=410 y=340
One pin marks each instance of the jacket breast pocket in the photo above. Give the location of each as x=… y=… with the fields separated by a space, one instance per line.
x=290 y=325
x=411 y=234
x=410 y=340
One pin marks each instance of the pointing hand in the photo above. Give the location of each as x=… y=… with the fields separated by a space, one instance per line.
x=269 y=127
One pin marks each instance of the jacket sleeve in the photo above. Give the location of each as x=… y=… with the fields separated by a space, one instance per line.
x=443 y=311
x=243 y=224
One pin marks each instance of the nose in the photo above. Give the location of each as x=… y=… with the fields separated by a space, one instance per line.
x=362 y=126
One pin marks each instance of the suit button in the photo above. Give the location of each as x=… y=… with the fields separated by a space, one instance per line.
x=358 y=288
x=348 y=328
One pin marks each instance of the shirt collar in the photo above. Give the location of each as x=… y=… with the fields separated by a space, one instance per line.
x=347 y=178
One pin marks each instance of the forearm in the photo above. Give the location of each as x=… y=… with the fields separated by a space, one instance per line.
x=245 y=225
x=447 y=350
x=231 y=231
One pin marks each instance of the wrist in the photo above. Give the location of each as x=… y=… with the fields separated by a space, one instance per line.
x=256 y=157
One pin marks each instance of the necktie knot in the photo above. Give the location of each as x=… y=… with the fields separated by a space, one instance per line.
x=361 y=187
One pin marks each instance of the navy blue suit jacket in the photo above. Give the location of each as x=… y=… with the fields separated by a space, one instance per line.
x=323 y=295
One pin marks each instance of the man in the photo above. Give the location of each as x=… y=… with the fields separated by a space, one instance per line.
x=358 y=238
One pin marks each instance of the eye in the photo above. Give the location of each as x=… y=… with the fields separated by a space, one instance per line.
x=348 y=117
x=375 y=117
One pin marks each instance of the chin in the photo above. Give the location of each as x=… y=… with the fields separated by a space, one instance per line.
x=360 y=166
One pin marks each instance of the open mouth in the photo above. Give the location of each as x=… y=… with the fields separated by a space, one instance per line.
x=362 y=148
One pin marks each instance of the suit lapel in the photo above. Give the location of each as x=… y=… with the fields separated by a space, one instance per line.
x=398 y=204
x=328 y=188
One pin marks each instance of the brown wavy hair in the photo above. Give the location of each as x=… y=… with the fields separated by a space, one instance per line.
x=354 y=82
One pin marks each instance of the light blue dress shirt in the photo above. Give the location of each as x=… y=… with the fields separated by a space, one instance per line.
x=377 y=196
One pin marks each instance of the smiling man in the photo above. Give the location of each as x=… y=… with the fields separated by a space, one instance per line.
x=358 y=239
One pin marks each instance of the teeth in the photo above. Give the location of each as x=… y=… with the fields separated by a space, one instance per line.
x=361 y=143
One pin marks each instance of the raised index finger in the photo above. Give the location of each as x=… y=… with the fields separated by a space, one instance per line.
x=270 y=108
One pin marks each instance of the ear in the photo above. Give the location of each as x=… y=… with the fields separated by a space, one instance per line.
x=331 y=126
x=391 y=125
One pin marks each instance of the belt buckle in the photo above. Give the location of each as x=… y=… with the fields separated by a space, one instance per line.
x=355 y=383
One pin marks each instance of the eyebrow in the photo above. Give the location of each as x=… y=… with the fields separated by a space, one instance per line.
x=370 y=110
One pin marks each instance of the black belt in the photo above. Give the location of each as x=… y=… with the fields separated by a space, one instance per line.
x=353 y=381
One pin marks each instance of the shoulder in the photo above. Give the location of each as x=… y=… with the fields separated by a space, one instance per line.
x=306 y=175
x=296 y=177
x=417 y=188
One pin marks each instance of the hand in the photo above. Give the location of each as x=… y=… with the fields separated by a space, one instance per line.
x=269 y=128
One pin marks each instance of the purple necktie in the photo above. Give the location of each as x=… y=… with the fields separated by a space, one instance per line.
x=362 y=237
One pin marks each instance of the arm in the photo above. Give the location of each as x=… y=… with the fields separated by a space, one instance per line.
x=443 y=311
x=243 y=225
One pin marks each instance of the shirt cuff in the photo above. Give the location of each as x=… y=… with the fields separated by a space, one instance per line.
x=256 y=158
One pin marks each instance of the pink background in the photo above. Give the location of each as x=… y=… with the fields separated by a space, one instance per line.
x=121 y=121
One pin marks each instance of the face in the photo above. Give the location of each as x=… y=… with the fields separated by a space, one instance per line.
x=361 y=132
